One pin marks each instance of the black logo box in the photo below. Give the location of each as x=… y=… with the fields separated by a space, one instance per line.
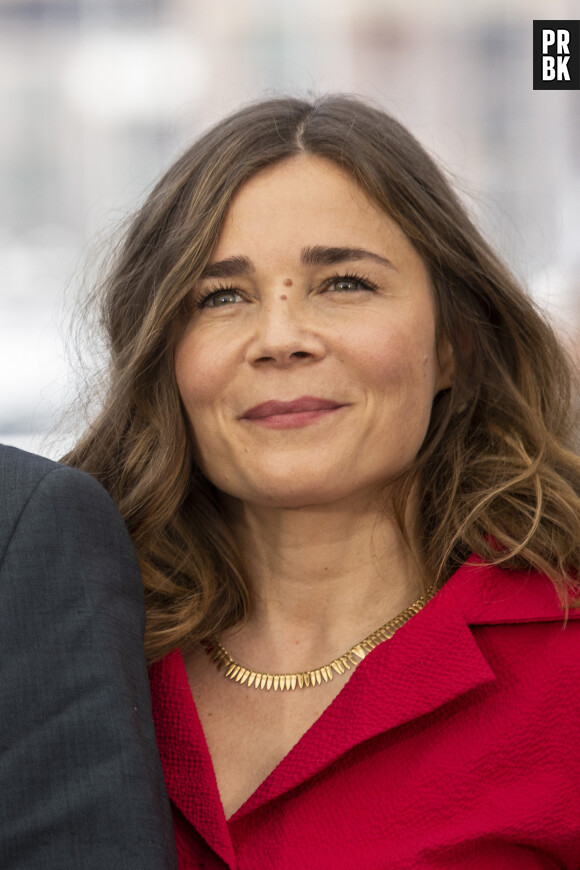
x=572 y=65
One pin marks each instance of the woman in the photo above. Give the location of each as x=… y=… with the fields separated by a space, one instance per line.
x=340 y=435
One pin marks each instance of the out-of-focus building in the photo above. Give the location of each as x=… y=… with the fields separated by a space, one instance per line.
x=98 y=96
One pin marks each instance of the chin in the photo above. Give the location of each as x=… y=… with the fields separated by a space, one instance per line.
x=273 y=492
x=294 y=501
x=296 y=485
x=289 y=495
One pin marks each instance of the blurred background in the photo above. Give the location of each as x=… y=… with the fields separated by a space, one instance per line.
x=98 y=97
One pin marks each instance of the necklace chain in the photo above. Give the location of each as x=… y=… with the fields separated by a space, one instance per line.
x=280 y=682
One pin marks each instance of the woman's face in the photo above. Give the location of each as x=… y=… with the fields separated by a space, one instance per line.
x=309 y=364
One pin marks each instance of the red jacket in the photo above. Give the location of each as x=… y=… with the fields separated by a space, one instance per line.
x=456 y=744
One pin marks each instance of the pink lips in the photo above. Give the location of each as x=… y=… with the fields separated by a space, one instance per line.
x=291 y=415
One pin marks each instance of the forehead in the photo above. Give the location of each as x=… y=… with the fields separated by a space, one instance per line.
x=304 y=200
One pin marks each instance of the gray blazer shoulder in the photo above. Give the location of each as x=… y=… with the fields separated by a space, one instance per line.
x=22 y=474
x=80 y=778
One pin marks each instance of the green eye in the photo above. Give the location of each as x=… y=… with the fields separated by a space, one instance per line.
x=219 y=298
x=347 y=284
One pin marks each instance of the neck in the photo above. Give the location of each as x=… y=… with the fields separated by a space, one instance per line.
x=321 y=578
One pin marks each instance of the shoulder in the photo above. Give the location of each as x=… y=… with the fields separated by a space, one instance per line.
x=493 y=595
x=48 y=506
x=21 y=474
x=525 y=636
x=532 y=650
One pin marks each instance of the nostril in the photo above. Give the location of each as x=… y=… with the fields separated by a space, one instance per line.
x=300 y=354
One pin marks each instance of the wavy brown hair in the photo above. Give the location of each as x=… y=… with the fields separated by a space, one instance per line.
x=497 y=473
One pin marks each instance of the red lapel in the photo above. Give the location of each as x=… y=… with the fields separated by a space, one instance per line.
x=431 y=660
x=185 y=758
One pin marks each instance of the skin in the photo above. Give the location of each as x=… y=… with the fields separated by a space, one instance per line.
x=306 y=503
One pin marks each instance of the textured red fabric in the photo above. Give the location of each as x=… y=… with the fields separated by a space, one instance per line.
x=456 y=744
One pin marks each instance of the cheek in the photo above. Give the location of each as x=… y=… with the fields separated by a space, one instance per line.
x=200 y=377
x=404 y=360
x=401 y=377
x=199 y=372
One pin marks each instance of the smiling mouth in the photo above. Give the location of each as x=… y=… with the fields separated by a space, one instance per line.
x=291 y=415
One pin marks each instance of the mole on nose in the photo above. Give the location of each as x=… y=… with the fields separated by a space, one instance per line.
x=287 y=282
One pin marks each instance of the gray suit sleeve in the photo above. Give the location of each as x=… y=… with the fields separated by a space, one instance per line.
x=81 y=785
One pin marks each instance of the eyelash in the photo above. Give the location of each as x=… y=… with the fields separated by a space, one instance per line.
x=223 y=289
x=218 y=290
x=363 y=280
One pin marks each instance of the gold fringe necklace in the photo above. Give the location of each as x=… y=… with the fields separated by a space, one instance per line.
x=245 y=676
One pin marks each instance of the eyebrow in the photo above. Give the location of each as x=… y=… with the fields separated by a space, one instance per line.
x=321 y=256
x=232 y=267
x=318 y=255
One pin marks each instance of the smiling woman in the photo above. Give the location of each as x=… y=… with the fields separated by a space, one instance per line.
x=347 y=360
x=341 y=437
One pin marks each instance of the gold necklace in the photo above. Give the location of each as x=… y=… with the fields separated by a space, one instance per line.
x=242 y=675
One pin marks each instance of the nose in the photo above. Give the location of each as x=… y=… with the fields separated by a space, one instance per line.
x=284 y=335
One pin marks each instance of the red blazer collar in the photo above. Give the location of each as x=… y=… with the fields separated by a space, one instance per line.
x=431 y=660
x=488 y=594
